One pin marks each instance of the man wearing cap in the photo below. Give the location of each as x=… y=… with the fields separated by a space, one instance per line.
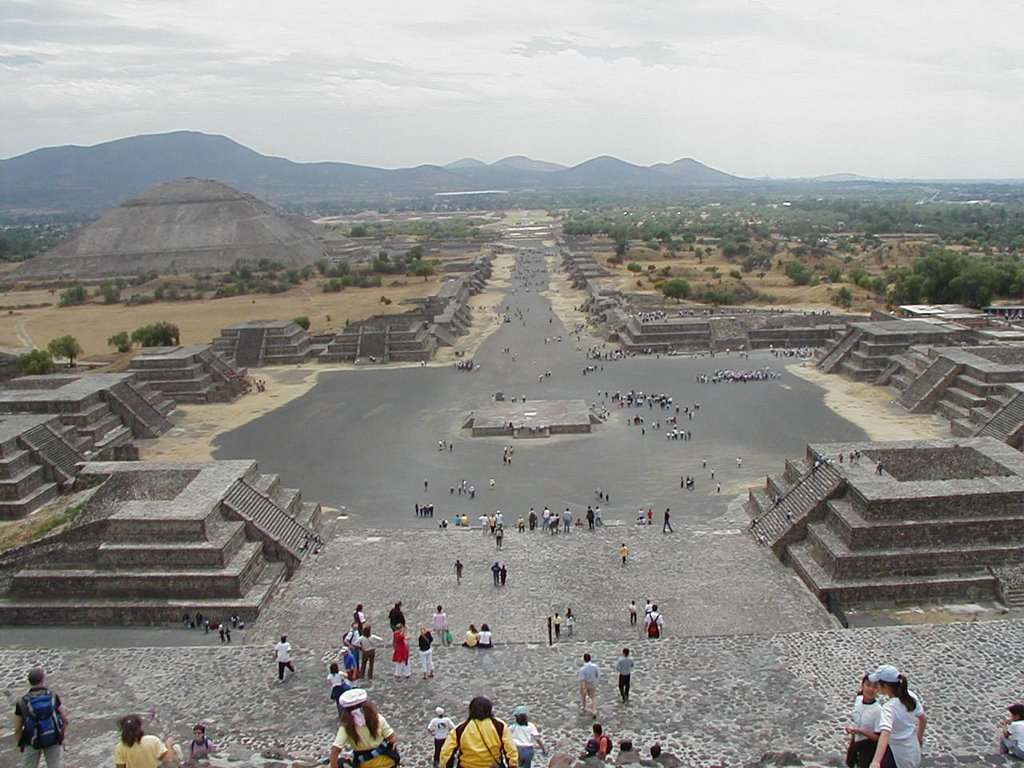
x=1013 y=731
x=439 y=727
x=364 y=732
x=482 y=740
x=901 y=723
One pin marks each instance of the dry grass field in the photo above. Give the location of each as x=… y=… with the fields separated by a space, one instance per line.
x=32 y=317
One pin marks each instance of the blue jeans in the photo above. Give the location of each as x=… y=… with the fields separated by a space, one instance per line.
x=525 y=756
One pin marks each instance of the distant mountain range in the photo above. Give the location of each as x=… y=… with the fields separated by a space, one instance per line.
x=73 y=179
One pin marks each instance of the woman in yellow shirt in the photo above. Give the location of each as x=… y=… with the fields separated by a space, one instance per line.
x=364 y=732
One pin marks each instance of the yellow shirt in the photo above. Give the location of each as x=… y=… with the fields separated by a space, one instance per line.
x=480 y=745
x=141 y=754
x=366 y=741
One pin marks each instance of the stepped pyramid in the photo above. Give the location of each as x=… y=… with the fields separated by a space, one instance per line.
x=185 y=226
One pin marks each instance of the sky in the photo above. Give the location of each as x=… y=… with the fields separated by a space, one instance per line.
x=781 y=88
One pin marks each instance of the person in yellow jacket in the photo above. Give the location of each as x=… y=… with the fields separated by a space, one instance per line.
x=482 y=741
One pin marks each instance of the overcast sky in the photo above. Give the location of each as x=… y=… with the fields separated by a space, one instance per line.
x=888 y=88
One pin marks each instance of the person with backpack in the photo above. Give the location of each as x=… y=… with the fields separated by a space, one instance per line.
x=39 y=722
x=480 y=741
x=654 y=624
x=200 y=746
x=365 y=733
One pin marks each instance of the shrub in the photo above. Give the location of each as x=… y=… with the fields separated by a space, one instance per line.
x=121 y=341
x=302 y=321
x=35 y=363
x=73 y=295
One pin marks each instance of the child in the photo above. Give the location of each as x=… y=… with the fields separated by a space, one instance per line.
x=337 y=681
x=1013 y=731
x=864 y=731
x=200 y=746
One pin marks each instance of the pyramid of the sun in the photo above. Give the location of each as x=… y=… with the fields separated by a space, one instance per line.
x=185 y=226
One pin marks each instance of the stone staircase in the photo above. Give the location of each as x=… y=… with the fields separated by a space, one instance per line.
x=271 y=520
x=926 y=389
x=835 y=356
x=1006 y=422
x=249 y=351
x=143 y=417
x=53 y=452
x=774 y=521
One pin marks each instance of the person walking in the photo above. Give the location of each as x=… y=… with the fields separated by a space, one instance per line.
x=587 y=677
x=526 y=737
x=901 y=723
x=654 y=625
x=283 y=654
x=624 y=666
x=439 y=727
x=40 y=721
x=496 y=573
x=482 y=740
x=364 y=732
x=624 y=553
x=666 y=526
x=633 y=611
x=458 y=571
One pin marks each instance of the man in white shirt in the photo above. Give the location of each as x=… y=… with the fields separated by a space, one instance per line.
x=439 y=727
x=283 y=653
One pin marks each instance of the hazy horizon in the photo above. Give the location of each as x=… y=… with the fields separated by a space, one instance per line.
x=779 y=88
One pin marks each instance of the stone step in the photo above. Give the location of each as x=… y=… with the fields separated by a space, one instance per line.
x=19 y=508
x=223 y=542
x=931 y=529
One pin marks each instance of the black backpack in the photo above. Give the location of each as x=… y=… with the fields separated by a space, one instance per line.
x=41 y=726
x=499 y=727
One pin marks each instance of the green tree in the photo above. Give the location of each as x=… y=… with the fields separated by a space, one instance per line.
x=357 y=230
x=302 y=321
x=73 y=295
x=677 y=289
x=422 y=269
x=120 y=341
x=109 y=291
x=65 y=346
x=843 y=298
x=35 y=363
x=159 y=334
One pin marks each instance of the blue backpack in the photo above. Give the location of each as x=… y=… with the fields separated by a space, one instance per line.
x=42 y=726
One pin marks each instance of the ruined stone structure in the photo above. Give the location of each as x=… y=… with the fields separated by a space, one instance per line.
x=98 y=412
x=154 y=541
x=188 y=374
x=37 y=462
x=536 y=418
x=911 y=521
x=866 y=350
x=265 y=342
x=190 y=225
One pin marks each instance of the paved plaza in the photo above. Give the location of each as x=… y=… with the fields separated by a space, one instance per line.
x=750 y=663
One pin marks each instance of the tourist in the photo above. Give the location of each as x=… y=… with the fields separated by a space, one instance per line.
x=439 y=727
x=632 y=613
x=395 y=616
x=624 y=666
x=484 y=639
x=400 y=653
x=496 y=573
x=526 y=737
x=666 y=527
x=365 y=733
x=40 y=722
x=439 y=622
x=901 y=723
x=654 y=624
x=558 y=625
x=864 y=731
x=458 y=571
x=487 y=743
x=368 y=651
x=499 y=537
x=570 y=621
x=426 y=642
x=358 y=617
x=1012 y=741
x=472 y=637
x=664 y=759
x=587 y=677
x=283 y=654
x=137 y=749
x=200 y=746
x=601 y=740
x=336 y=680
x=624 y=553
x=503 y=574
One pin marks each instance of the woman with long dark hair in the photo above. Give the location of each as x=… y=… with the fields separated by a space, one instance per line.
x=140 y=749
x=901 y=723
x=364 y=732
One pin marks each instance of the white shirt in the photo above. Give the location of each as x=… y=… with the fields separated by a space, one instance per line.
x=284 y=652
x=902 y=727
x=1016 y=730
x=522 y=735
x=484 y=638
x=440 y=621
x=440 y=727
x=866 y=717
